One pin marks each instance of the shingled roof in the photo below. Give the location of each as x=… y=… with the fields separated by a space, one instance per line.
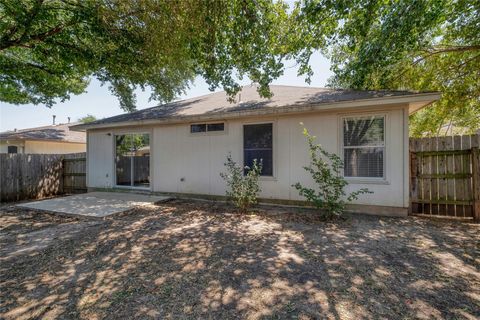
x=57 y=133
x=217 y=105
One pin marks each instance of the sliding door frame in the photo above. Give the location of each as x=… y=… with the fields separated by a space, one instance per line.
x=150 y=173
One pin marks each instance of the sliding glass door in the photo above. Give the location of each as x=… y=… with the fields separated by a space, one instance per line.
x=132 y=160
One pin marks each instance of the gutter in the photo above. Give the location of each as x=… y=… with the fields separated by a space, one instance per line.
x=290 y=109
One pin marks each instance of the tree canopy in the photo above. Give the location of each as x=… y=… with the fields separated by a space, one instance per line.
x=87 y=119
x=425 y=45
x=49 y=49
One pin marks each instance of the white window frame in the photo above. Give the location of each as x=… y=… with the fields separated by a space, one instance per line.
x=114 y=173
x=386 y=126
x=273 y=177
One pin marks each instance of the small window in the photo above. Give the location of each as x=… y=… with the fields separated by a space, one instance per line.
x=210 y=127
x=215 y=127
x=258 y=144
x=196 y=128
x=12 y=149
x=364 y=147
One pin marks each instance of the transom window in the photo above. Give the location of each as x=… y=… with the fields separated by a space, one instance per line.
x=258 y=144
x=364 y=146
x=207 y=127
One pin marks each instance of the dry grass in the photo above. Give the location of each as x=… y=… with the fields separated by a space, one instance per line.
x=198 y=260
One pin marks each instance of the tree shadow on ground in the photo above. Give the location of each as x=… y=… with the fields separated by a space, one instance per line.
x=201 y=260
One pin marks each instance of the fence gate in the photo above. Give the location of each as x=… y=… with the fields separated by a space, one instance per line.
x=74 y=173
x=445 y=176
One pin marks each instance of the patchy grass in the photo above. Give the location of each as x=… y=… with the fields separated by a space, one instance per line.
x=202 y=260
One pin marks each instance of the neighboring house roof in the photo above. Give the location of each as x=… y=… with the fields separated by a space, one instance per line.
x=56 y=133
x=285 y=99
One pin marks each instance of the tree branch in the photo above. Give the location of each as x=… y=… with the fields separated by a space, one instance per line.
x=43 y=35
x=43 y=68
x=437 y=50
x=465 y=62
x=32 y=65
x=36 y=37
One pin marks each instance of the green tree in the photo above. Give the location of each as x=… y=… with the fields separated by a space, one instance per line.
x=406 y=45
x=50 y=49
x=87 y=119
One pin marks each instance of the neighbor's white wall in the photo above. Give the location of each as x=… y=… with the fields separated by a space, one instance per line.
x=48 y=147
x=4 y=146
x=198 y=159
x=44 y=147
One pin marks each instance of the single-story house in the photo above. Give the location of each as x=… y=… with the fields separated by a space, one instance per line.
x=54 y=139
x=188 y=142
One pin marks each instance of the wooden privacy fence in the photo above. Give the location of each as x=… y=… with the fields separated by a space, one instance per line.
x=34 y=176
x=75 y=173
x=27 y=176
x=445 y=176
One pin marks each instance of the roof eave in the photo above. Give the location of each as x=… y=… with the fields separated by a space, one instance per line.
x=42 y=140
x=419 y=99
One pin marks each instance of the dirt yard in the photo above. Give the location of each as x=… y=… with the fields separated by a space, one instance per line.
x=195 y=260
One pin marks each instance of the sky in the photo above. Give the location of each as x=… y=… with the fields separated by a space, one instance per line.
x=99 y=102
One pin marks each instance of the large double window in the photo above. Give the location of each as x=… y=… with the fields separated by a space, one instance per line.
x=132 y=160
x=258 y=144
x=364 y=146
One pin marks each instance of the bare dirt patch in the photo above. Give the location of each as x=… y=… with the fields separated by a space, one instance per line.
x=202 y=260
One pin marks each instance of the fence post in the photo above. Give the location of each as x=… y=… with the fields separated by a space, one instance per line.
x=412 y=180
x=62 y=178
x=476 y=183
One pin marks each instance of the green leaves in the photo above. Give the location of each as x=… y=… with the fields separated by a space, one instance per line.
x=87 y=119
x=325 y=168
x=428 y=45
x=243 y=188
x=49 y=49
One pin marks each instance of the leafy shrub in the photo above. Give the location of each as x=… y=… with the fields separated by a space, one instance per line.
x=243 y=188
x=326 y=171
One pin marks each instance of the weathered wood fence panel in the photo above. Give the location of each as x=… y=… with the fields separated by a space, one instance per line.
x=75 y=173
x=444 y=176
x=29 y=176
x=35 y=176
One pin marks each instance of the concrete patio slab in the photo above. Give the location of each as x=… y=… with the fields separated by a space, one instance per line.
x=94 y=204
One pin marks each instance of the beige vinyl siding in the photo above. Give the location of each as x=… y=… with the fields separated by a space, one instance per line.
x=188 y=163
x=49 y=147
x=100 y=157
x=44 y=147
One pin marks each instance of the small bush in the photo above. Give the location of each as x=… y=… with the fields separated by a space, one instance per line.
x=326 y=171
x=243 y=188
